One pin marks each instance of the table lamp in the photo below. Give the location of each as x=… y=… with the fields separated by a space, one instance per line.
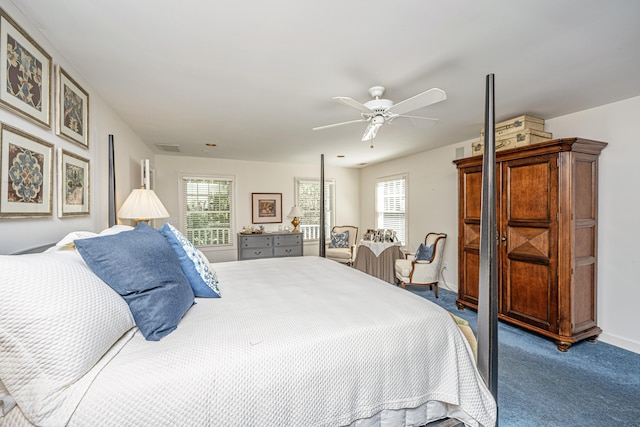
x=295 y=213
x=142 y=205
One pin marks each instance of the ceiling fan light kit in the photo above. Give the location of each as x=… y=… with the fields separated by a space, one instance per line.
x=379 y=110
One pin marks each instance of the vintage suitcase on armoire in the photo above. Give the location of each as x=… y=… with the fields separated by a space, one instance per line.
x=547 y=226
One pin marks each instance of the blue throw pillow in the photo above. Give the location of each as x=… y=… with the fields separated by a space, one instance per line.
x=339 y=240
x=424 y=253
x=195 y=266
x=143 y=268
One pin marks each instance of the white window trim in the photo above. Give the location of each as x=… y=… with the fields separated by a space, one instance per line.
x=234 y=208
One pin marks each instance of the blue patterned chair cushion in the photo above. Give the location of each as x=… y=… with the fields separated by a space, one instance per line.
x=424 y=253
x=339 y=240
x=201 y=276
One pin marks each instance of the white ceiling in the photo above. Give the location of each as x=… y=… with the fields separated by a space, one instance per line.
x=254 y=77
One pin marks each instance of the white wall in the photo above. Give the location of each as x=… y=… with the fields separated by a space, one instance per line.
x=22 y=233
x=433 y=207
x=255 y=177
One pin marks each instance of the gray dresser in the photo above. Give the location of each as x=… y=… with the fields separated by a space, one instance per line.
x=269 y=245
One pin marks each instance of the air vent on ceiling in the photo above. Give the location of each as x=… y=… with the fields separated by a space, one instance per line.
x=173 y=148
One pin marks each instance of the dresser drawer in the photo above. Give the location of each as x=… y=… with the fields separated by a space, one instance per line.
x=291 y=240
x=283 y=251
x=255 y=253
x=256 y=241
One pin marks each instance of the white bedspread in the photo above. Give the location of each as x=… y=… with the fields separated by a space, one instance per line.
x=293 y=342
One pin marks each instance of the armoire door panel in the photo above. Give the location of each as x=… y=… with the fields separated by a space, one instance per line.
x=528 y=242
x=471 y=275
x=472 y=234
x=472 y=202
x=527 y=188
x=585 y=189
x=585 y=242
x=529 y=294
x=584 y=310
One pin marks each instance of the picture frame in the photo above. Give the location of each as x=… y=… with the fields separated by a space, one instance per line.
x=72 y=109
x=73 y=184
x=266 y=208
x=24 y=90
x=26 y=174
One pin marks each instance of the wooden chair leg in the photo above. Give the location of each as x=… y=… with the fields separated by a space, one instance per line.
x=436 y=290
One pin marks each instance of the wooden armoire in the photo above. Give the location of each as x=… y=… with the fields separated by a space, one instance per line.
x=547 y=206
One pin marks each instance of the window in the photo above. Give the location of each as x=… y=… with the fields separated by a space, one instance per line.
x=207 y=206
x=391 y=205
x=308 y=200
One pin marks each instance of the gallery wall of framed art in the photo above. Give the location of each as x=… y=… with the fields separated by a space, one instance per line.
x=27 y=172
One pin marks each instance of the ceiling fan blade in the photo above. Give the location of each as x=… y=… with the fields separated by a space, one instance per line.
x=371 y=131
x=418 y=117
x=339 y=124
x=420 y=100
x=353 y=103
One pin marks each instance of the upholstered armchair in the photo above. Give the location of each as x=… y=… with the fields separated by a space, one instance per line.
x=425 y=270
x=342 y=248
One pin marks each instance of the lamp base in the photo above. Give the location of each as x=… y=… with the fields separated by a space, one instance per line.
x=295 y=224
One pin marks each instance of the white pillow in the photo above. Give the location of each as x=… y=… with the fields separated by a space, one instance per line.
x=57 y=320
x=78 y=235
x=115 y=230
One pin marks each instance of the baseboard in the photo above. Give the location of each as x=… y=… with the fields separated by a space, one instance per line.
x=624 y=343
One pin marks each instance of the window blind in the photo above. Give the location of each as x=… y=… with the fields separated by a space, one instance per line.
x=207 y=206
x=391 y=205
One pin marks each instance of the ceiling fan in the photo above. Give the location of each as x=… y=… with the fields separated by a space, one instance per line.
x=379 y=111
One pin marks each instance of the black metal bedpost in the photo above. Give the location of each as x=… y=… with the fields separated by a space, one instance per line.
x=488 y=279
x=321 y=249
x=112 y=184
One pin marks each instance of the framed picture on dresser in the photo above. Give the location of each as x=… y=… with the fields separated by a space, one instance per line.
x=25 y=77
x=266 y=208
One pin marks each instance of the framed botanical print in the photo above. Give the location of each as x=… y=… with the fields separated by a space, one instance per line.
x=26 y=174
x=72 y=109
x=73 y=184
x=266 y=208
x=25 y=74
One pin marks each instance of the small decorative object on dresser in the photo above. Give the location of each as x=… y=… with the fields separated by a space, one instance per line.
x=269 y=245
x=548 y=227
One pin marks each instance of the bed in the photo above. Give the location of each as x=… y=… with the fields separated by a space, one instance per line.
x=299 y=341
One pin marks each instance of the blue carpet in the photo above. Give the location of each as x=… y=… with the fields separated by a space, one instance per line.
x=593 y=384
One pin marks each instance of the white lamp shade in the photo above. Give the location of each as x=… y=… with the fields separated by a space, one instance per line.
x=295 y=212
x=142 y=204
